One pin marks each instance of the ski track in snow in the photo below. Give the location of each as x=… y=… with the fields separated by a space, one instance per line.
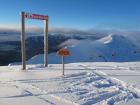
x=84 y=88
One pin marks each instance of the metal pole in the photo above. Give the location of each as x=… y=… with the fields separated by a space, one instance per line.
x=46 y=43
x=63 y=65
x=23 y=49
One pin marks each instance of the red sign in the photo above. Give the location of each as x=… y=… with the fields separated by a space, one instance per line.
x=35 y=16
x=63 y=52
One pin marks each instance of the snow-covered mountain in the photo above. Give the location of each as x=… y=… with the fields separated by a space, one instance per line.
x=84 y=82
x=34 y=44
x=112 y=48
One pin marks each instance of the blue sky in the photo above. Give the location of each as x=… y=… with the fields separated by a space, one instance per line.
x=75 y=14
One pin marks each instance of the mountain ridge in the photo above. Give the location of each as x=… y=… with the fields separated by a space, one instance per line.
x=112 y=48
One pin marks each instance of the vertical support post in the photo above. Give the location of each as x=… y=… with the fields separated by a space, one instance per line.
x=63 y=65
x=23 y=49
x=46 y=43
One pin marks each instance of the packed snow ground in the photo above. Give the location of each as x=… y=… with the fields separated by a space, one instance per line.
x=83 y=84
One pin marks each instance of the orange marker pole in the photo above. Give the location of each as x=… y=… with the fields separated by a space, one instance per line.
x=63 y=53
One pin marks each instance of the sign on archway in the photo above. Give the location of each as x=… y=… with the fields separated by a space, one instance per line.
x=23 y=47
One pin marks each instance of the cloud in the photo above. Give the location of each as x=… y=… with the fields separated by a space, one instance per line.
x=17 y=28
x=36 y=29
x=8 y=28
x=66 y=30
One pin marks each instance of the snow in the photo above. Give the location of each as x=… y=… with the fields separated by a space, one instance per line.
x=86 y=82
x=112 y=48
x=83 y=84
x=107 y=39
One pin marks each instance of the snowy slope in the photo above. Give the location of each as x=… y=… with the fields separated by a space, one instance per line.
x=85 y=83
x=118 y=48
x=112 y=48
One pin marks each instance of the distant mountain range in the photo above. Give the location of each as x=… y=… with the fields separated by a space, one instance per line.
x=10 y=48
x=111 y=48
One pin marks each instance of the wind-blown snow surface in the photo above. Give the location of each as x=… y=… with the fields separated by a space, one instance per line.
x=83 y=84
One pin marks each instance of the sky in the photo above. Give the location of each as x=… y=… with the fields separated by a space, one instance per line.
x=74 y=14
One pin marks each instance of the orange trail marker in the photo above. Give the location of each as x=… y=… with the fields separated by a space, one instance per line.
x=63 y=53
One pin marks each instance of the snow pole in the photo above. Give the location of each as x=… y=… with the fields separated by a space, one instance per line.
x=23 y=48
x=46 y=43
x=63 y=65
